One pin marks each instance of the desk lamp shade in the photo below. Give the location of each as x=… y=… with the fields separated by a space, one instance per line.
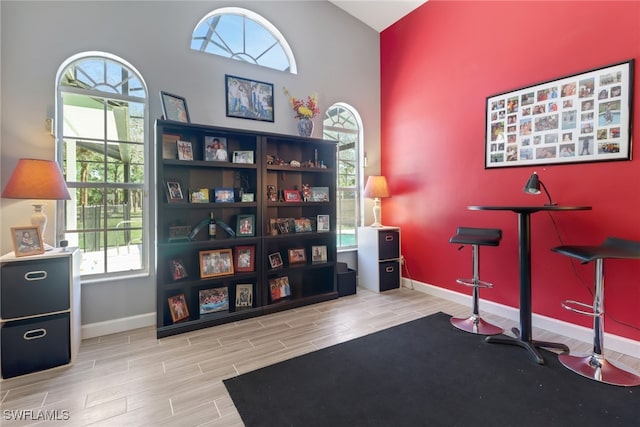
x=376 y=189
x=533 y=187
x=39 y=180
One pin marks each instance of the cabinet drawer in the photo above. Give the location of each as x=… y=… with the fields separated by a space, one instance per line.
x=35 y=344
x=389 y=244
x=389 y=275
x=34 y=287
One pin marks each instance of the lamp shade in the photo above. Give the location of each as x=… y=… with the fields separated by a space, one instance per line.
x=533 y=184
x=376 y=187
x=36 y=179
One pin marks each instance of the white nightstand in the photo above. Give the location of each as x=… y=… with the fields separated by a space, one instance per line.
x=379 y=260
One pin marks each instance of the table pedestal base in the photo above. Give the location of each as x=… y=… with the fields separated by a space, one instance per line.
x=530 y=346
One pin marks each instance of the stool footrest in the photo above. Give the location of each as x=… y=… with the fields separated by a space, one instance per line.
x=474 y=283
x=569 y=305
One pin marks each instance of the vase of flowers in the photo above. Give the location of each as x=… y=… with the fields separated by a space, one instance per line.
x=304 y=112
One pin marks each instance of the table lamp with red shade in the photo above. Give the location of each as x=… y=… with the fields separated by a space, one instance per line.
x=38 y=180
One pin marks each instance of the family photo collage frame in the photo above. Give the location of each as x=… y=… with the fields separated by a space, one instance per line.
x=584 y=117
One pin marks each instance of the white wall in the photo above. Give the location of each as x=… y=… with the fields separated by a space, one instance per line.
x=337 y=56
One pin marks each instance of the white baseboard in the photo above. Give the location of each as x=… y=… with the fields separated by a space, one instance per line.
x=98 y=329
x=580 y=333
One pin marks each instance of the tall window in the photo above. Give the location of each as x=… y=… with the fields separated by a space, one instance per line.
x=101 y=134
x=343 y=125
x=243 y=35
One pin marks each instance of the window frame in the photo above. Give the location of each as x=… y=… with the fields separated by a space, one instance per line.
x=239 y=55
x=358 y=168
x=105 y=184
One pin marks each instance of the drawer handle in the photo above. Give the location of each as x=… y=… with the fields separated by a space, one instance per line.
x=388 y=238
x=35 y=275
x=389 y=269
x=34 y=334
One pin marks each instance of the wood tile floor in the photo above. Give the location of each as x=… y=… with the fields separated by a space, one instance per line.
x=134 y=379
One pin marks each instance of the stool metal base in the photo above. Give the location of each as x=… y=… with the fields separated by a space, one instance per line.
x=476 y=325
x=598 y=368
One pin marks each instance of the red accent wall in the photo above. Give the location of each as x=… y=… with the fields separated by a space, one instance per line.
x=438 y=65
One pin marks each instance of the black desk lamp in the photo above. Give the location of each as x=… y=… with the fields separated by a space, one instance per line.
x=533 y=187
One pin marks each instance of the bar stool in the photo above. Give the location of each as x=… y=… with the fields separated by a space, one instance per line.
x=595 y=366
x=476 y=237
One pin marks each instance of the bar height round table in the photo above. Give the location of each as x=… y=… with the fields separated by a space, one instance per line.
x=524 y=336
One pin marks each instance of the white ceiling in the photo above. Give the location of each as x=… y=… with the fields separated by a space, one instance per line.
x=378 y=14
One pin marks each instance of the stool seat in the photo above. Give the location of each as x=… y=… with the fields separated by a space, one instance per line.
x=612 y=247
x=595 y=366
x=476 y=237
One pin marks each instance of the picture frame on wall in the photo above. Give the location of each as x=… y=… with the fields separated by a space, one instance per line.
x=249 y=99
x=174 y=107
x=27 y=241
x=584 y=117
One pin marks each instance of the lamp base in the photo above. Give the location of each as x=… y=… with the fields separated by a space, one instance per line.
x=376 y=225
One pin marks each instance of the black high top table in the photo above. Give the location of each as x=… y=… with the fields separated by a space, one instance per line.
x=524 y=338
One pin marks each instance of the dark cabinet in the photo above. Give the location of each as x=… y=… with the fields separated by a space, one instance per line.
x=379 y=259
x=267 y=197
x=39 y=311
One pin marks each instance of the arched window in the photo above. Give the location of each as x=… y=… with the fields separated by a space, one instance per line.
x=101 y=143
x=243 y=35
x=343 y=125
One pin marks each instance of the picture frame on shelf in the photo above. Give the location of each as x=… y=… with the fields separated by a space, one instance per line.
x=224 y=195
x=215 y=263
x=584 y=117
x=323 y=224
x=249 y=99
x=174 y=192
x=297 y=256
x=273 y=226
x=245 y=156
x=169 y=150
x=177 y=268
x=279 y=288
x=199 y=195
x=245 y=226
x=178 y=308
x=285 y=225
x=174 y=107
x=248 y=197
x=275 y=260
x=272 y=193
x=291 y=196
x=318 y=254
x=244 y=259
x=215 y=149
x=179 y=233
x=244 y=296
x=319 y=194
x=213 y=300
x=27 y=240
x=185 y=150
x=302 y=225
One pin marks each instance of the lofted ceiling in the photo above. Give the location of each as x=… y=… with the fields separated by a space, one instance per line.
x=378 y=14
